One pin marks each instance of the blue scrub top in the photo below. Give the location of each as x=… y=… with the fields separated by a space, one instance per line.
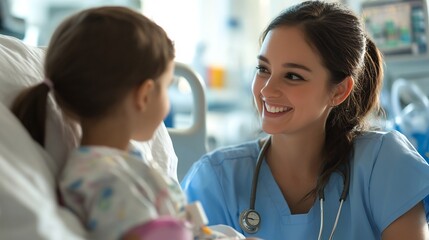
x=388 y=177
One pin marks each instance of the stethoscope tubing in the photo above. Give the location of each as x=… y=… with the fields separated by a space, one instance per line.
x=255 y=178
x=253 y=229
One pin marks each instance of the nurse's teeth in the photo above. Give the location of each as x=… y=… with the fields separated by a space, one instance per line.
x=273 y=109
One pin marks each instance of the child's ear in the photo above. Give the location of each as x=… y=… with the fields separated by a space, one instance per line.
x=143 y=94
x=342 y=91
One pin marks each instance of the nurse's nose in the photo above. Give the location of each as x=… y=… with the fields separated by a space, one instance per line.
x=271 y=88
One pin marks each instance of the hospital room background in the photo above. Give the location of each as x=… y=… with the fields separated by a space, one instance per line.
x=218 y=41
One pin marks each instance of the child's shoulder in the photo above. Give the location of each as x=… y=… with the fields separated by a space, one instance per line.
x=95 y=160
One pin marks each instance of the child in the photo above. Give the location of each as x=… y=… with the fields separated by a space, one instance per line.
x=109 y=68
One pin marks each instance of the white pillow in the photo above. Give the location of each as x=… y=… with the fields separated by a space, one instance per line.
x=22 y=66
x=28 y=206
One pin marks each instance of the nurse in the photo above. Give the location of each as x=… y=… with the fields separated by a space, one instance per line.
x=323 y=172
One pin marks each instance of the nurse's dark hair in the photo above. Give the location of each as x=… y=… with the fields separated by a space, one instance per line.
x=337 y=34
x=94 y=59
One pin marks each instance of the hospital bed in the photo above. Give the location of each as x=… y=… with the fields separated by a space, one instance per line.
x=28 y=204
x=190 y=142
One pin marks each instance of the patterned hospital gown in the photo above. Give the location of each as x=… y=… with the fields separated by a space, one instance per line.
x=112 y=191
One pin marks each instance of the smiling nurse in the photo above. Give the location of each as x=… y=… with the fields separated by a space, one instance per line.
x=322 y=173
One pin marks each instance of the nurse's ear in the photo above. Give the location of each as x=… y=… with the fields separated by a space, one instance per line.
x=341 y=91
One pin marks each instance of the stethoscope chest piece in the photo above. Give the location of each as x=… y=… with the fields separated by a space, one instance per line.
x=250 y=221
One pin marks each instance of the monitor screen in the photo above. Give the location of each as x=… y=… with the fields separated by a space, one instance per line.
x=398 y=28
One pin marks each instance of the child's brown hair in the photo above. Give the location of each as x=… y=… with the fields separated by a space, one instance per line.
x=94 y=59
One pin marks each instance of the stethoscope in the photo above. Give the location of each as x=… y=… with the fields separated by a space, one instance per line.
x=250 y=219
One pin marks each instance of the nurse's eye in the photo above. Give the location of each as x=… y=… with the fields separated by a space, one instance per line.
x=293 y=76
x=261 y=70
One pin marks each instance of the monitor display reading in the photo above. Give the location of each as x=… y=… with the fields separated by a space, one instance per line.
x=398 y=28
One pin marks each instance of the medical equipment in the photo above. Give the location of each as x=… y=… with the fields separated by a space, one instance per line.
x=250 y=219
x=11 y=19
x=410 y=109
x=398 y=27
x=193 y=136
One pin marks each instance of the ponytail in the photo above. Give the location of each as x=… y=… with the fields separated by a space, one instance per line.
x=371 y=79
x=349 y=119
x=30 y=108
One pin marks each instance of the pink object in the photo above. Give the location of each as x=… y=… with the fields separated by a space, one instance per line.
x=163 y=228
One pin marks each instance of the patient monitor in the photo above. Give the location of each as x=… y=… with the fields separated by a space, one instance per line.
x=399 y=28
